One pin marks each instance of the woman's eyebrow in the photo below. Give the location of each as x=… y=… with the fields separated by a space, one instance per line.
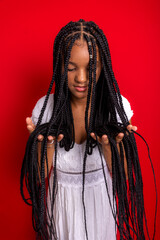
x=72 y=63
x=76 y=64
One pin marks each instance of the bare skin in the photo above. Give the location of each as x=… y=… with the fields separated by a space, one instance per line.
x=78 y=78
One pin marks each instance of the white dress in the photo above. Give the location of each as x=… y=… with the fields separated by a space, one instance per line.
x=68 y=209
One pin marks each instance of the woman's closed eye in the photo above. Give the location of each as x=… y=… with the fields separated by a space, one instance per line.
x=72 y=69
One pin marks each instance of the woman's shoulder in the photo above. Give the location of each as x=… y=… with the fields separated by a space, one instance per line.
x=48 y=110
x=40 y=102
x=127 y=109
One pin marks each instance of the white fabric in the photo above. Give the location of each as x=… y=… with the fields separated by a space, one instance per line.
x=68 y=208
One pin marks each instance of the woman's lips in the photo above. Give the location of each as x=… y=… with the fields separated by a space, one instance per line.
x=81 y=89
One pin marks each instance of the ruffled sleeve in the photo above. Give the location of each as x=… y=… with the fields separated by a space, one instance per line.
x=127 y=108
x=48 y=111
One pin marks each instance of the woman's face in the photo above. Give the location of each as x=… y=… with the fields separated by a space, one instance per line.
x=78 y=70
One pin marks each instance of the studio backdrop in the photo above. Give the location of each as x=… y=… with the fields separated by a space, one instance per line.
x=28 y=30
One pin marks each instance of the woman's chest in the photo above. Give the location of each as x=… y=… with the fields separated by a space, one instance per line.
x=79 y=127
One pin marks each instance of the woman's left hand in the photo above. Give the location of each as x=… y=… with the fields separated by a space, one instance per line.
x=106 y=147
x=104 y=139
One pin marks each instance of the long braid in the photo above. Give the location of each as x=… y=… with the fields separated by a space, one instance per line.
x=101 y=39
x=120 y=100
x=86 y=125
x=65 y=71
x=54 y=181
x=43 y=189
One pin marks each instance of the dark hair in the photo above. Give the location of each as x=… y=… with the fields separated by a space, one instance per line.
x=105 y=102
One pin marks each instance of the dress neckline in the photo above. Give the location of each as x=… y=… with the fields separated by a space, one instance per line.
x=80 y=144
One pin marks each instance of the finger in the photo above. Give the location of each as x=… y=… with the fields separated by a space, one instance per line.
x=119 y=137
x=93 y=136
x=60 y=137
x=129 y=127
x=96 y=138
x=134 y=128
x=105 y=139
x=28 y=120
x=30 y=123
x=40 y=138
x=30 y=128
x=50 y=139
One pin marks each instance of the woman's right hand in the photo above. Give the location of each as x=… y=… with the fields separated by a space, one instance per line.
x=31 y=127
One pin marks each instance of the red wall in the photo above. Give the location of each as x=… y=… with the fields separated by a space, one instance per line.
x=28 y=29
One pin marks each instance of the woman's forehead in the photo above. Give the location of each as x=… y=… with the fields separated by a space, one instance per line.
x=80 y=51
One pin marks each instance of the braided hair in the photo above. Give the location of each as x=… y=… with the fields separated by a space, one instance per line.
x=105 y=100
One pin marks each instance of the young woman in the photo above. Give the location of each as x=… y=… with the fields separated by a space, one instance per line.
x=81 y=165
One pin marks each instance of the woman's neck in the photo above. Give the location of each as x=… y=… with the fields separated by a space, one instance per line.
x=78 y=103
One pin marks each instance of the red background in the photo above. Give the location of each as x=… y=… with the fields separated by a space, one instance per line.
x=28 y=29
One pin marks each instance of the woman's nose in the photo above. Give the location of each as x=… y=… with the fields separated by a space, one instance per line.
x=82 y=77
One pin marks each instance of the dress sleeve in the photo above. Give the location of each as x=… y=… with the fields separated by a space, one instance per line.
x=48 y=111
x=127 y=109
